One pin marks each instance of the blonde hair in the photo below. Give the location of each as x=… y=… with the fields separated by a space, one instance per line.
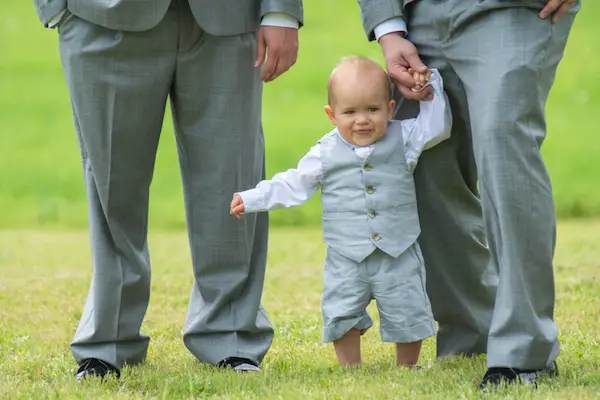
x=364 y=66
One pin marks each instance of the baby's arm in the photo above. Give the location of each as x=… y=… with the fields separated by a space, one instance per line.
x=431 y=127
x=286 y=189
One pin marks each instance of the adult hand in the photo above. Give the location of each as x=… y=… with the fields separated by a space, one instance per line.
x=280 y=47
x=556 y=7
x=236 y=208
x=400 y=55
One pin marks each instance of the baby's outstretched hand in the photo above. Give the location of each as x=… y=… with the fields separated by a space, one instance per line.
x=237 y=206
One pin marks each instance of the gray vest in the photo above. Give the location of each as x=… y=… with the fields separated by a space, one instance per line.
x=368 y=203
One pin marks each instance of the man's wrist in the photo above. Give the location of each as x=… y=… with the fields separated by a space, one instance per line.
x=391 y=37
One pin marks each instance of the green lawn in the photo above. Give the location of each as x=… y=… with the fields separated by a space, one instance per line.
x=45 y=277
x=40 y=177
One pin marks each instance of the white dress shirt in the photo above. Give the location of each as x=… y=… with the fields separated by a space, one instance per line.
x=295 y=186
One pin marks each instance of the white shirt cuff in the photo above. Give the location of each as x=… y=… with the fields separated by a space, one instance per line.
x=56 y=19
x=279 y=19
x=253 y=201
x=389 y=26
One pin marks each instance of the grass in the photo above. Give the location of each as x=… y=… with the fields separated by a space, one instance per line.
x=45 y=276
x=45 y=272
x=40 y=176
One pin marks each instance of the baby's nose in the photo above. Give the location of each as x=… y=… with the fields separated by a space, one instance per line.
x=362 y=118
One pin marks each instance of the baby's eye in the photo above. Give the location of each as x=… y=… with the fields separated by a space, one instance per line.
x=373 y=109
x=349 y=112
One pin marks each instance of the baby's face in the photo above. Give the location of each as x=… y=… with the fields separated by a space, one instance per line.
x=360 y=111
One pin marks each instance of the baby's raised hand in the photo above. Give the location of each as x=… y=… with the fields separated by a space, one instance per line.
x=236 y=208
x=420 y=78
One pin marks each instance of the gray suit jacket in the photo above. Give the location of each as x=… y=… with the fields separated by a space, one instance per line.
x=217 y=17
x=374 y=12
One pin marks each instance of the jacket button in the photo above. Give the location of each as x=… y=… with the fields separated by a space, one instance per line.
x=372 y=213
x=370 y=189
x=368 y=167
x=375 y=237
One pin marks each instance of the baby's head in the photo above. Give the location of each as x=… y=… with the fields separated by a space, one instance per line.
x=359 y=97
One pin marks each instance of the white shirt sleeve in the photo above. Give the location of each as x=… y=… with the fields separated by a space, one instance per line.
x=431 y=127
x=287 y=189
x=56 y=19
x=279 y=19
x=396 y=24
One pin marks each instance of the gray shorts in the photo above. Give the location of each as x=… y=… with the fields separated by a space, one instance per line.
x=396 y=284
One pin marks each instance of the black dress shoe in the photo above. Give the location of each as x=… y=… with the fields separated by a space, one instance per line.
x=496 y=376
x=92 y=367
x=239 y=364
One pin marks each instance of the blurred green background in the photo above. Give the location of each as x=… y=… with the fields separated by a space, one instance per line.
x=40 y=174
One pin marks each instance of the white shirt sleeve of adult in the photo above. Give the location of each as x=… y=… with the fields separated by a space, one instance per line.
x=396 y=24
x=279 y=19
x=431 y=127
x=56 y=19
x=287 y=189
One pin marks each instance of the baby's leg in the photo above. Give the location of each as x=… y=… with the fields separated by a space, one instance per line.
x=404 y=309
x=347 y=348
x=407 y=354
x=345 y=298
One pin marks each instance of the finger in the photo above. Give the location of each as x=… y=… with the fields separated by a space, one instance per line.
x=282 y=66
x=400 y=76
x=414 y=61
x=409 y=94
x=428 y=76
x=286 y=68
x=285 y=63
x=549 y=8
x=262 y=49
x=277 y=70
x=294 y=57
x=270 y=65
x=561 y=11
x=238 y=209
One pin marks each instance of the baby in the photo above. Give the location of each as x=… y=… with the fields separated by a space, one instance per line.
x=369 y=210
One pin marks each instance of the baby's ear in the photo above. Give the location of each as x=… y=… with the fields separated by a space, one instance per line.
x=330 y=114
x=391 y=108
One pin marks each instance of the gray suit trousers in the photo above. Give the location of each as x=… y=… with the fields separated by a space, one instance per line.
x=119 y=83
x=490 y=279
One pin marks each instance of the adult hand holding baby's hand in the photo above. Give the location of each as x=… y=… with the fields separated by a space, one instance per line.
x=237 y=206
x=400 y=55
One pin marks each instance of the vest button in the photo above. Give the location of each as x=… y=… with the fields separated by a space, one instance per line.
x=368 y=167
x=370 y=190
x=372 y=213
x=375 y=237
